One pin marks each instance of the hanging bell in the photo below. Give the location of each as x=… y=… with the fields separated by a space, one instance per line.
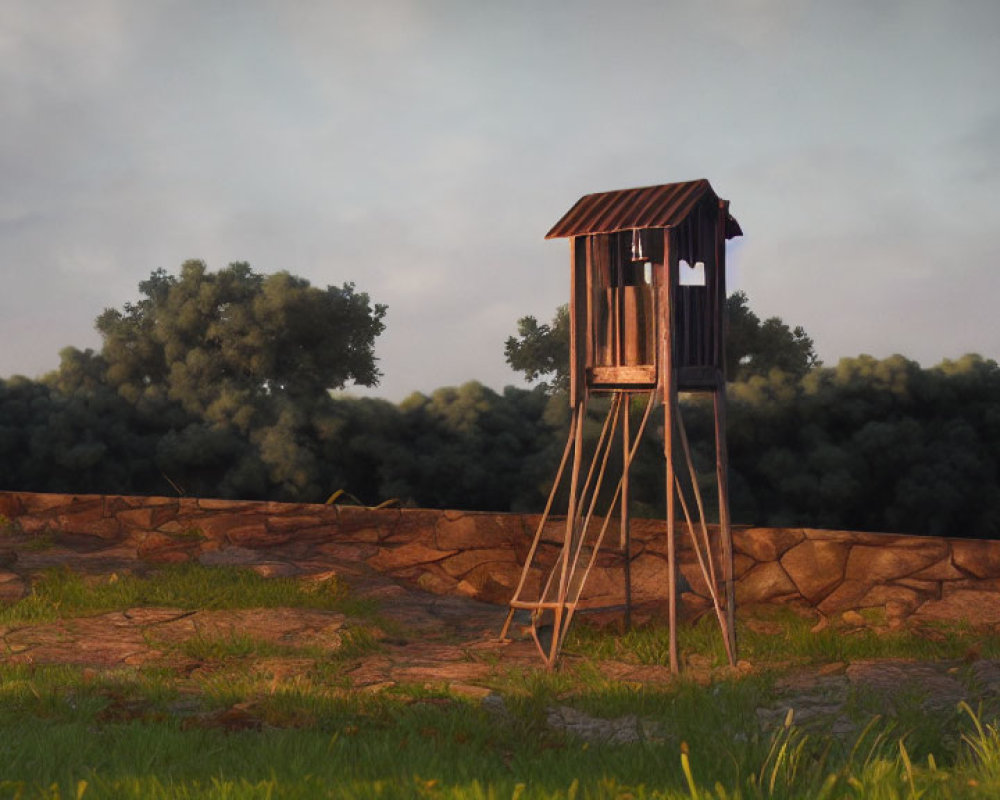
x=638 y=250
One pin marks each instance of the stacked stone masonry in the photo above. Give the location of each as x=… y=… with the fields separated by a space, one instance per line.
x=479 y=555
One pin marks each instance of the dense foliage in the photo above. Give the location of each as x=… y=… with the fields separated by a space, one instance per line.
x=541 y=351
x=217 y=384
x=211 y=384
x=871 y=445
x=755 y=348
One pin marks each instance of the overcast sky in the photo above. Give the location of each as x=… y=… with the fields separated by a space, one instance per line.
x=422 y=149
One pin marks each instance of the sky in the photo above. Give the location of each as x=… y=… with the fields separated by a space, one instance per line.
x=422 y=149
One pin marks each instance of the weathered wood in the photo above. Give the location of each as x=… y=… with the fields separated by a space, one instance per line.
x=705 y=564
x=606 y=328
x=661 y=338
x=558 y=599
x=572 y=520
x=583 y=331
x=626 y=483
x=712 y=279
x=579 y=302
x=626 y=531
x=725 y=531
x=722 y=323
x=669 y=384
x=570 y=439
x=618 y=279
x=610 y=377
x=708 y=217
x=573 y=596
x=603 y=445
x=634 y=329
x=549 y=595
x=697 y=378
x=599 y=302
x=705 y=559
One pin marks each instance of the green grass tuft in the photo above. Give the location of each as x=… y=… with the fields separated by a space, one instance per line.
x=794 y=641
x=61 y=593
x=241 y=646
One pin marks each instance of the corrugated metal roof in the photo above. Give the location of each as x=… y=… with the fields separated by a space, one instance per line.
x=664 y=206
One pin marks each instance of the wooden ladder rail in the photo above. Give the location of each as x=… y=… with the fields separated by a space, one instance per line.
x=563 y=602
x=575 y=536
x=516 y=602
x=572 y=602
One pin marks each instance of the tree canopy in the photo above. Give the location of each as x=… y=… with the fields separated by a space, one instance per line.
x=755 y=348
x=541 y=351
x=210 y=382
x=222 y=344
x=871 y=445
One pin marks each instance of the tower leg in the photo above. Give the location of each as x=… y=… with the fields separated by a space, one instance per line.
x=725 y=532
x=704 y=552
x=572 y=515
x=668 y=421
x=552 y=609
x=517 y=600
x=506 y=626
x=550 y=652
x=626 y=537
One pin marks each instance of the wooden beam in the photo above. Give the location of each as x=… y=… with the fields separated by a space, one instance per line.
x=720 y=289
x=642 y=376
x=669 y=385
x=516 y=601
x=704 y=379
x=626 y=532
x=721 y=449
x=579 y=317
x=725 y=530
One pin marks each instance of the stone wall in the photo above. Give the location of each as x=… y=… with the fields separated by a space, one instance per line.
x=479 y=554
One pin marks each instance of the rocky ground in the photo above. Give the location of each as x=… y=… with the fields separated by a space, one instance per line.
x=444 y=641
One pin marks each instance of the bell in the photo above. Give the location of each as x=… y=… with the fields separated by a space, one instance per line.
x=638 y=251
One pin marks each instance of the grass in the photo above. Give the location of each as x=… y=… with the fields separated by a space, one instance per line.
x=241 y=646
x=234 y=728
x=59 y=732
x=786 y=636
x=61 y=593
x=43 y=539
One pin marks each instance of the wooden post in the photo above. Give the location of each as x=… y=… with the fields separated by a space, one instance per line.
x=572 y=523
x=671 y=541
x=668 y=382
x=579 y=340
x=722 y=479
x=516 y=600
x=721 y=450
x=626 y=535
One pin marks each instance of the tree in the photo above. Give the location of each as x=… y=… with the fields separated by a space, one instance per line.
x=542 y=350
x=877 y=445
x=470 y=447
x=229 y=344
x=213 y=383
x=755 y=348
x=752 y=347
x=53 y=441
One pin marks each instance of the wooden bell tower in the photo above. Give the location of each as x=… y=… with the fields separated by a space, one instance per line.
x=647 y=317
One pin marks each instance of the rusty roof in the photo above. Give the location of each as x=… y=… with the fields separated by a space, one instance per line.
x=664 y=206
